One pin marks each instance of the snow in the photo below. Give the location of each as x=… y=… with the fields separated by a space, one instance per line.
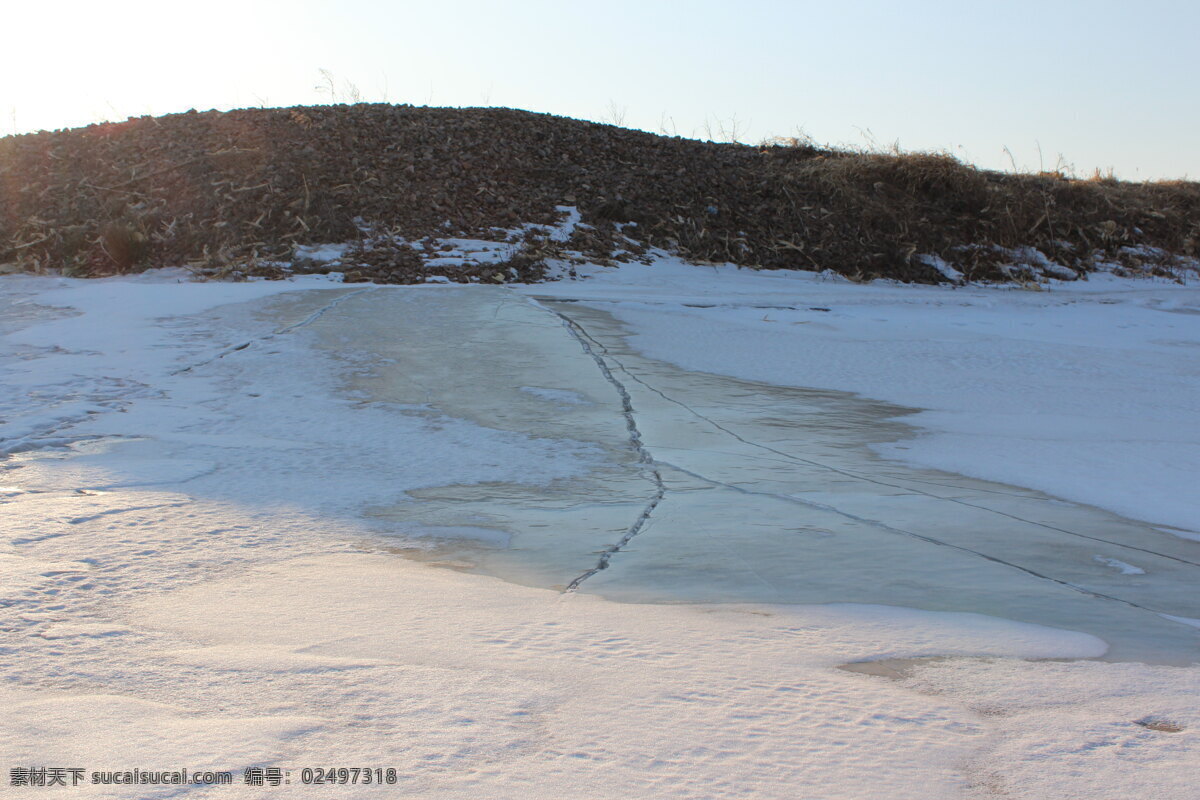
x=571 y=219
x=1105 y=749
x=321 y=253
x=209 y=485
x=1121 y=566
x=557 y=396
x=939 y=263
x=451 y=253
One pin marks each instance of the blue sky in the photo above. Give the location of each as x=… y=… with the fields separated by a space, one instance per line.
x=1079 y=85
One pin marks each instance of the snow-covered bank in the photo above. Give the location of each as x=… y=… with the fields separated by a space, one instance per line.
x=195 y=573
x=1088 y=390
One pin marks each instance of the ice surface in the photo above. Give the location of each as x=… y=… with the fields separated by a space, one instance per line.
x=197 y=558
x=772 y=494
x=1084 y=390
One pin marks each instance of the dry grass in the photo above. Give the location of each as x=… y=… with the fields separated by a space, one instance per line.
x=213 y=190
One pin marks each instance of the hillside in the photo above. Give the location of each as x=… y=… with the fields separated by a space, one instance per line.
x=239 y=190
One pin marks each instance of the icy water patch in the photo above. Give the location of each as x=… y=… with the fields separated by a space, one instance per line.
x=711 y=489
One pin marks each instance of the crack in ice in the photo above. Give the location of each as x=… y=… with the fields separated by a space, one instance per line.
x=858 y=476
x=602 y=355
x=311 y=318
x=635 y=440
x=904 y=532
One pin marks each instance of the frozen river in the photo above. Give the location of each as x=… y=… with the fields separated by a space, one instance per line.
x=705 y=488
x=536 y=541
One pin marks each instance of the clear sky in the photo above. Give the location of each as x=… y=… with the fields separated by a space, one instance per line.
x=1078 y=85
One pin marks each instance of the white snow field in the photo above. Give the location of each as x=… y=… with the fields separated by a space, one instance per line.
x=667 y=532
